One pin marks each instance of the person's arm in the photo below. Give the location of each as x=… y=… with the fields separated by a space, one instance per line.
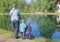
x=19 y=27
x=25 y=28
x=11 y=12
x=31 y=29
x=19 y=15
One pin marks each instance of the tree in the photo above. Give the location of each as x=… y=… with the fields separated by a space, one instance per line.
x=6 y=5
x=23 y=6
x=43 y=5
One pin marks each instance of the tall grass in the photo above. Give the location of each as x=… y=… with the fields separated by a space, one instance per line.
x=5 y=22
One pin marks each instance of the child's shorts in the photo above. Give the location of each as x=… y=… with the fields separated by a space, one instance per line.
x=28 y=35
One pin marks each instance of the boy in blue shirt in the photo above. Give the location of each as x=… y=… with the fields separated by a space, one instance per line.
x=22 y=28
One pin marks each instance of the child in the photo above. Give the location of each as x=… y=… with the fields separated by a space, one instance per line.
x=22 y=28
x=28 y=31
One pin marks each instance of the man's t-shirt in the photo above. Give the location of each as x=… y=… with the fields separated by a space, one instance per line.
x=14 y=13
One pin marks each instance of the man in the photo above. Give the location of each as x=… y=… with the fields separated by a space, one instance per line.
x=58 y=6
x=15 y=15
x=58 y=17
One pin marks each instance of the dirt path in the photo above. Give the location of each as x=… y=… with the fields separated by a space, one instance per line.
x=7 y=38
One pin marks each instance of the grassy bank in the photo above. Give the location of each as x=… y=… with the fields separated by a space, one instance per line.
x=46 y=40
x=2 y=31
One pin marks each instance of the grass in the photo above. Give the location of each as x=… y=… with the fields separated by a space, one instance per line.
x=2 y=31
x=46 y=40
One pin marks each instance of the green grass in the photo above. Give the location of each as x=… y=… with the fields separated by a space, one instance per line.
x=2 y=31
x=46 y=40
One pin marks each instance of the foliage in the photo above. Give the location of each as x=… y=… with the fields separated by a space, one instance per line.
x=46 y=25
x=46 y=5
x=6 y=5
x=46 y=40
x=23 y=6
x=5 y=22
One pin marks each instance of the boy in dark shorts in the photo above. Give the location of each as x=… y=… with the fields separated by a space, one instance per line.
x=28 y=31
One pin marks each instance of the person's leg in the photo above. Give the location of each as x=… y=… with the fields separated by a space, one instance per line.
x=13 y=23
x=29 y=36
x=22 y=35
x=16 y=28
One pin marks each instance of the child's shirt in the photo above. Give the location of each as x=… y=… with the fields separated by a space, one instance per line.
x=28 y=29
x=22 y=27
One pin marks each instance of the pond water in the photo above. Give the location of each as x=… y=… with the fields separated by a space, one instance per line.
x=36 y=33
x=34 y=27
x=56 y=35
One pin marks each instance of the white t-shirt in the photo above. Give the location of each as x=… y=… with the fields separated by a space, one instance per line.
x=14 y=13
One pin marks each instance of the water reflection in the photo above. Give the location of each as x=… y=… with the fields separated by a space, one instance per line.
x=56 y=35
x=35 y=31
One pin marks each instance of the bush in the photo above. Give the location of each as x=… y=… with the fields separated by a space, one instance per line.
x=47 y=26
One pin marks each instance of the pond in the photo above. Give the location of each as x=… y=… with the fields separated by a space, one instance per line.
x=36 y=33
x=34 y=27
x=56 y=35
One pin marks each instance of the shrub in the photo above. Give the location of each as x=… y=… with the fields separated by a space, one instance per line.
x=47 y=26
